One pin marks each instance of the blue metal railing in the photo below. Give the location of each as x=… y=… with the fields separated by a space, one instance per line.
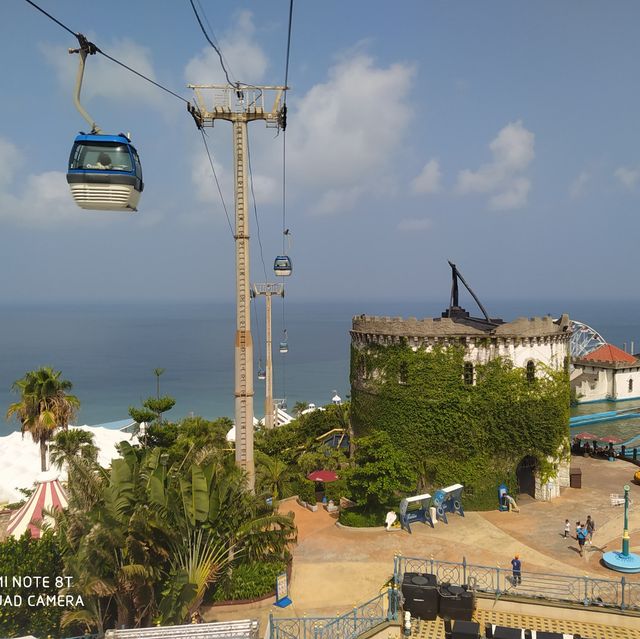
x=350 y=625
x=622 y=594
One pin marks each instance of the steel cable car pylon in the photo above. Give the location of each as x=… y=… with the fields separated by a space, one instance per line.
x=240 y=104
x=104 y=172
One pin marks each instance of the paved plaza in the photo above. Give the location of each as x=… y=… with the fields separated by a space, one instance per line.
x=335 y=569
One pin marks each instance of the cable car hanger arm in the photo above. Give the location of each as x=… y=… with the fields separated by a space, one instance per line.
x=85 y=48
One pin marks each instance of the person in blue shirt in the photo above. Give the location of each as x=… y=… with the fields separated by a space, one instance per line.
x=582 y=534
x=516 y=565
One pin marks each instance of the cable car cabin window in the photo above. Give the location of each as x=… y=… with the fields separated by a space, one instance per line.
x=101 y=157
x=136 y=161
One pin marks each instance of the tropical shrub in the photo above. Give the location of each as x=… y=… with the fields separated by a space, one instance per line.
x=146 y=540
x=249 y=581
x=26 y=557
x=336 y=489
x=305 y=489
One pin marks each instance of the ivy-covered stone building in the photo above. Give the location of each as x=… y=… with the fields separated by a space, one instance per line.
x=476 y=401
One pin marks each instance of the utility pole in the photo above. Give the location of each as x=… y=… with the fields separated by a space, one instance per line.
x=240 y=104
x=268 y=290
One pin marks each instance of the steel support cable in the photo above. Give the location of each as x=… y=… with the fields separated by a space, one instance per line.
x=206 y=35
x=264 y=268
x=285 y=231
x=286 y=67
x=255 y=210
x=224 y=206
x=257 y=324
x=84 y=42
x=213 y=35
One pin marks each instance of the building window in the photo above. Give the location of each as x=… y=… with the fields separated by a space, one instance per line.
x=531 y=371
x=630 y=385
x=404 y=373
x=468 y=373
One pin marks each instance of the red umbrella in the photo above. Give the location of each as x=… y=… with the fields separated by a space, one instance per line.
x=610 y=439
x=322 y=475
x=586 y=436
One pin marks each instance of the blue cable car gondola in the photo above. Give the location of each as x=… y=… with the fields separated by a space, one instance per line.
x=282 y=265
x=284 y=344
x=105 y=173
x=104 y=170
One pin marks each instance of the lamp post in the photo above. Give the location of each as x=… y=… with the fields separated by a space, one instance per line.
x=625 y=533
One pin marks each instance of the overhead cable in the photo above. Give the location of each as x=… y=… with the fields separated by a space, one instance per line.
x=206 y=35
x=95 y=49
x=224 y=206
x=255 y=210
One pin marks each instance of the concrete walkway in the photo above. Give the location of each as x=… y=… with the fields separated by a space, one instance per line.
x=336 y=569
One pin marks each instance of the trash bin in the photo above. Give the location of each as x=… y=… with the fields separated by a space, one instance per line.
x=575 y=478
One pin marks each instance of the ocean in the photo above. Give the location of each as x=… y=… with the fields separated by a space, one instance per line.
x=109 y=351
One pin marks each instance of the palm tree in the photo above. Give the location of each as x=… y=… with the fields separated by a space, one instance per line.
x=272 y=475
x=44 y=406
x=72 y=443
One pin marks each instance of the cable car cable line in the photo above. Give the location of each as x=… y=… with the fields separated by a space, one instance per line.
x=206 y=35
x=81 y=38
x=255 y=209
x=286 y=67
x=224 y=206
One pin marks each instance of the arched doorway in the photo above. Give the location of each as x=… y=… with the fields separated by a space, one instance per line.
x=525 y=474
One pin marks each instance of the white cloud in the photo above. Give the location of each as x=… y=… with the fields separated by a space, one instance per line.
x=579 y=185
x=513 y=152
x=429 y=179
x=10 y=161
x=341 y=133
x=628 y=176
x=345 y=131
x=514 y=196
x=333 y=201
x=244 y=59
x=205 y=182
x=106 y=80
x=415 y=224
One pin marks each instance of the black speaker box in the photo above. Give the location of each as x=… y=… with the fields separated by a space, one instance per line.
x=466 y=630
x=456 y=602
x=549 y=635
x=413 y=582
x=420 y=595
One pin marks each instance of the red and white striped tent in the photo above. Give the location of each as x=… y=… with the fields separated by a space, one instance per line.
x=49 y=494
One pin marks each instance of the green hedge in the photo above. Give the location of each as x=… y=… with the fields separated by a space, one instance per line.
x=305 y=489
x=360 y=518
x=250 y=581
x=455 y=432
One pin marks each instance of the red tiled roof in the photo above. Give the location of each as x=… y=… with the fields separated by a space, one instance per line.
x=610 y=353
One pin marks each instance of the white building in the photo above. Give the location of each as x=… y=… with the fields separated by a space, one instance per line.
x=607 y=373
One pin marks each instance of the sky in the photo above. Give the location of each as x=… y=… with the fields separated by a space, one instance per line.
x=500 y=135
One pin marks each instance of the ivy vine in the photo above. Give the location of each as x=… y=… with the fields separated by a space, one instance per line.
x=454 y=431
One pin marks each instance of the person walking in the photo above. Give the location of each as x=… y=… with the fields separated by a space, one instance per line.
x=582 y=537
x=567 y=528
x=516 y=566
x=591 y=528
